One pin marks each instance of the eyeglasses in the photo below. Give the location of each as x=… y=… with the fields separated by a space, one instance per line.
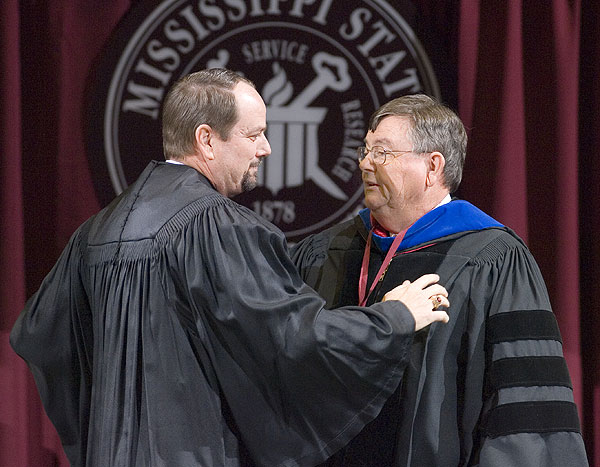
x=379 y=155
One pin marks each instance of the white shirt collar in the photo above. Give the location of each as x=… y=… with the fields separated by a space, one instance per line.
x=446 y=199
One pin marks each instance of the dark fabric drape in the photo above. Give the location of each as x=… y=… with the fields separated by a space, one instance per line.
x=522 y=74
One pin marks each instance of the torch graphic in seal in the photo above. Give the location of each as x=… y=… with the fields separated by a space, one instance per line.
x=293 y=129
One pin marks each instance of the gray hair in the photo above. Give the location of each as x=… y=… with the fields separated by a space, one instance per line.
x=434 y=127
x=204 y=97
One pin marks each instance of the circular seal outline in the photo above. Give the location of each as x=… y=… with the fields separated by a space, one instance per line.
x=411 y=41
x=136 y=41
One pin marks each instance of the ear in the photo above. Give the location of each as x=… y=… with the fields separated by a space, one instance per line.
x=203 y=136
x=435 y=169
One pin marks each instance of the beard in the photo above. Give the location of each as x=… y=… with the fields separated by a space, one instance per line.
x=249 y=179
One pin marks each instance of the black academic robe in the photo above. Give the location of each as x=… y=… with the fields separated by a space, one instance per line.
x=489 y=388
x=175 y=331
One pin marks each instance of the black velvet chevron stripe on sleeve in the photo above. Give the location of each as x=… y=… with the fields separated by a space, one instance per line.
x=534 y=416
x=522 y=325
x=529 y=371
x=528 y=357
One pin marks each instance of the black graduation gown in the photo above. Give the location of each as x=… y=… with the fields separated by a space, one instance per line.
x=489 y=388
x=175 y=331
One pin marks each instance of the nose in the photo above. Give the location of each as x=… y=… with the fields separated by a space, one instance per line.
x=264 y=148
x=367 y=165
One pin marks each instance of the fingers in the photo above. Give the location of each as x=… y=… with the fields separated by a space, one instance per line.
x=436 y=289
x=440 y=301
x=423 y=298
x=440 y=315
x=426 y=280
x=424 y=319
x=399 y=291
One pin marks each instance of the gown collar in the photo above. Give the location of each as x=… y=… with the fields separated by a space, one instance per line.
x=446 y=219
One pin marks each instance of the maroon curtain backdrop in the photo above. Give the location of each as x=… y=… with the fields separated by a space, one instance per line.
x=522 y=74
x=14 y=382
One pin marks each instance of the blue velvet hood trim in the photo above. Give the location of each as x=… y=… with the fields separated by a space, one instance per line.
x=450 y=218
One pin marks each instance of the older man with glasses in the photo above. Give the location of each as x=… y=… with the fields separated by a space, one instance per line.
x=491 y=387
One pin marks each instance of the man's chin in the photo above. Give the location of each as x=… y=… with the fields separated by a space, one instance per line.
x=372 y=201
x=249 y=182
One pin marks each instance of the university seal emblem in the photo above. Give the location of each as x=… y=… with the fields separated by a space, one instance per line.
x=322 y=67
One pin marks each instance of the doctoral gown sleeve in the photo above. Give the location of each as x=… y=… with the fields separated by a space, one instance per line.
x=53 y=335
x=300 y=380
x=528 y=417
